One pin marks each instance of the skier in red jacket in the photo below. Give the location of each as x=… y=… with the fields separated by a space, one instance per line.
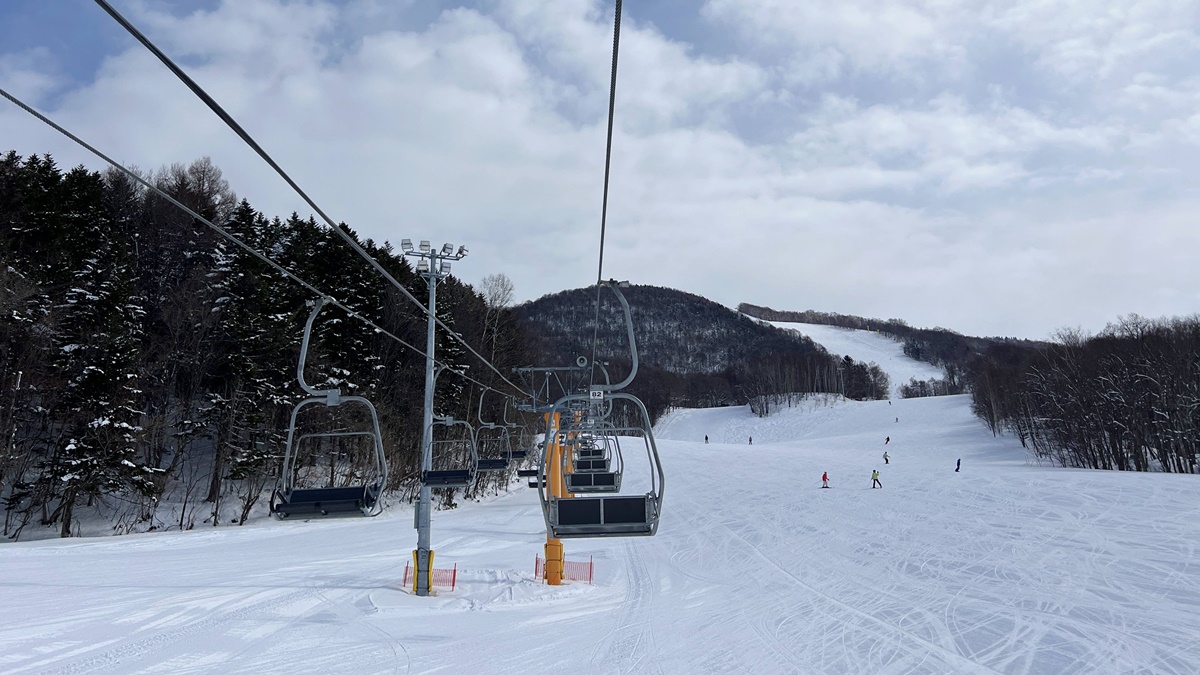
x=825 y=479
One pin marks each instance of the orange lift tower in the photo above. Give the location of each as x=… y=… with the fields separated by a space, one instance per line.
x=557 y=485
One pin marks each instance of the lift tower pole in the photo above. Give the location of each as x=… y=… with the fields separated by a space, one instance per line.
x=434 y=266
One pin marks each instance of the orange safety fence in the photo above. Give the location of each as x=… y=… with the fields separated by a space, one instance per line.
x=572 y=571
x=442 y=577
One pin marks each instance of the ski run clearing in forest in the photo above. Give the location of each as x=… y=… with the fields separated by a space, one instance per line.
x=1004 y=567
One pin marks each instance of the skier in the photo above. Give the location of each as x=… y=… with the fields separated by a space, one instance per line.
x=897 y=419
x=706 y=439
x=885 y=457
x=875 y=480
x=958 y=465
x=887 y=440
x=825 y=479
x=751 y=440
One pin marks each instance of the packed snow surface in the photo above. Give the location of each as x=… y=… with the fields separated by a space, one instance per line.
x=1004 y=567
x=867 y=346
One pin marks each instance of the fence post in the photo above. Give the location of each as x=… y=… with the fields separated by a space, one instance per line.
x=454 y=576
x=591 y=568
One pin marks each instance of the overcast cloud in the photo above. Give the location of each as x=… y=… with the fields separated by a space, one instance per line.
x=996 y=167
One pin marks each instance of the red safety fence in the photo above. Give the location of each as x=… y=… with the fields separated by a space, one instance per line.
x=572 y=571
x=442 y=577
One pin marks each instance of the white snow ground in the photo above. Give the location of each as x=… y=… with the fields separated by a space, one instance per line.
x=1002 y=568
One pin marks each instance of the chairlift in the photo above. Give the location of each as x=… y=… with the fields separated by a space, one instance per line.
x=454 y=454
x=492 y=443
x=359 y=498
x=596 y=464
x=608 y=515
x=519 y=450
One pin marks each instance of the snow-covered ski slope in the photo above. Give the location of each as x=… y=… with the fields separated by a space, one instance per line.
x=1001 y=568
x=867 y=346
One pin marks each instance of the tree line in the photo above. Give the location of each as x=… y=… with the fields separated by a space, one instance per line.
x=1127 y=399
x=146 y=360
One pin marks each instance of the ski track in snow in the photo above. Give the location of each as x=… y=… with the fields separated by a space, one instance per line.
x=1004 y=567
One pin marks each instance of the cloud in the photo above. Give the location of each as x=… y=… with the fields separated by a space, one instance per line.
x=898 y=172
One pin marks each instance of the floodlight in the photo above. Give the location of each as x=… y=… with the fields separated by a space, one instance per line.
x=406 y=244
x=425 y=245
x=462 y=250
x=447 y=248
x=423 y=265
x=445 y=267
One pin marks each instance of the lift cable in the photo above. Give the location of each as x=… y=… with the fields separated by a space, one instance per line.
x=612 y=97
x=233 y=238
x=237 y=128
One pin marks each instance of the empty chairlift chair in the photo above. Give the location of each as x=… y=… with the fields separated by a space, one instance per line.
x=608 y=515
x=362 y=489
x=596 y=463
x=494 y=447
x=454 y=454
x=492 y=443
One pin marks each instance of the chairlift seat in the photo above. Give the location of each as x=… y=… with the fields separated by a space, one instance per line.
x=491 y=465
x=591 y=453
x=517 y=454
x=593 y=482
x=592 y=465
x=603 y=516
x=451 y=479
x=317 y=502
x=527 y=473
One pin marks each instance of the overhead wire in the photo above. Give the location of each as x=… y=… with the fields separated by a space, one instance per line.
x=612 y=98
x=233 y=238
x=237 y=128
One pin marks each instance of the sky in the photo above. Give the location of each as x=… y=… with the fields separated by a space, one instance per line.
x=997 y=167
x=1003 y=567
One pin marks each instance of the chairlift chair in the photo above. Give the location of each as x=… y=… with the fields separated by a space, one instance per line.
x=607 y=515
x=461 y=469
x=492 y=443
x=597 y=463
x=360 y=498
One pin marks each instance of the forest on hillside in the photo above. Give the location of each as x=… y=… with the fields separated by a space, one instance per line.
x=692 y=351
x=145 y=359
x=1127 y=399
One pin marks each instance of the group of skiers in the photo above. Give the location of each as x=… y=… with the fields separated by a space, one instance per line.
x=875 y=472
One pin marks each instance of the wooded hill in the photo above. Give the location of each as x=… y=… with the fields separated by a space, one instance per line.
x=145 y=359
x=692 y=351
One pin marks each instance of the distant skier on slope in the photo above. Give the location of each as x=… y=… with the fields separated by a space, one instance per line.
x=875 y=480
x=825 y=479
x=751 y=440
x=706 y=439
x=958 y=465
x=887 y=440
x=885 y=457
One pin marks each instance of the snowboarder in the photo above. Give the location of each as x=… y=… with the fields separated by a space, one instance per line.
x=875 y=480
x=897 y=419
x=751 y=440
x=825 y=479
x=706 y=439
x=958 y=465
x=885 y=457
x=887 y=440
